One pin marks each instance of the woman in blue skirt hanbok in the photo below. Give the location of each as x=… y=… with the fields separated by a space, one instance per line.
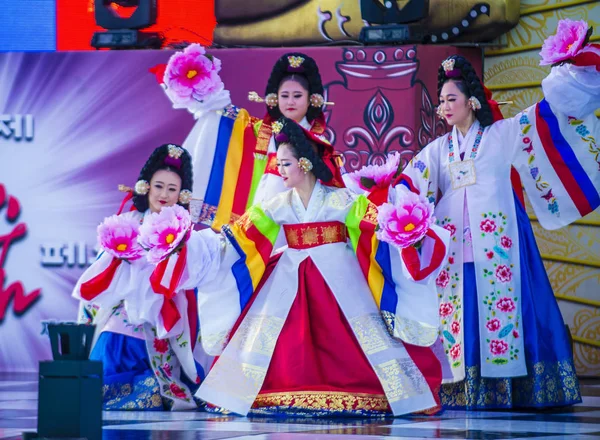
x=145 y=339
x=500 y=324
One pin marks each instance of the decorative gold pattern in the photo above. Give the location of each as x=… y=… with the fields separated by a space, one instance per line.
x=146 y=391
x=239 y=380
x=371 y=333
x=401 y=379
x=410 y=331
x=259 y=333
x=547 y=384
x=324 y=400
x=307 y=235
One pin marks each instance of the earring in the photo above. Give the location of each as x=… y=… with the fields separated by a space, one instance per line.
x=185 y=196
x=142 y=187
x=439 y=111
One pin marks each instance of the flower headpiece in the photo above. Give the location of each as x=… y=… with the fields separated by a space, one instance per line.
x=295 y=62
x=449 y=70
x=174 y=157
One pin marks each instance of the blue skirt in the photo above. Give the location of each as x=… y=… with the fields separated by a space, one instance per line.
x=551 y=378
x=129 y=381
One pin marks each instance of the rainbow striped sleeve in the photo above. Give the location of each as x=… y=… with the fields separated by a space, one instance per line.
x=373 y=255
x=253 y=236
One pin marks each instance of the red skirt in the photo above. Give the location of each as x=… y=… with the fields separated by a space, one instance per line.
x=318 y=366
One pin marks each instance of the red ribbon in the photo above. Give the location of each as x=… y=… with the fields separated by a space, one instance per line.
x=94 y=287
x=411 y=258
x=169 y=311
x=378 y=195
x=588 y=58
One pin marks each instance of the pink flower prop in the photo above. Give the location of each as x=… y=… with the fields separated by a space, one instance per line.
x=118 y=236
x=163 y=231
x=493 y=325
x=505 y=242
x=191 y=76
x=503 y=273
x=442 y=279
x=380 y=176
x=455 y=352
x=498 y=347
x=505 y=305
x=566 y=43
x=446 y=309
x=405 y=223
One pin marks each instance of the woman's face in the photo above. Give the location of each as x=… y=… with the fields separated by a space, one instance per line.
x=287 y=165
x=454 y=104
x=293 y=100
x=164 y=190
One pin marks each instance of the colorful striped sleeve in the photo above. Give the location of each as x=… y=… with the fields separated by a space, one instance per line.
x=253 y=236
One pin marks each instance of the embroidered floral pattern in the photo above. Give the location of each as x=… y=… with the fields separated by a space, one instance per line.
x=583 y=131
x=448 y=282
x=500 y=302
x=166 y=367
x=424 y=171
x=541 y=185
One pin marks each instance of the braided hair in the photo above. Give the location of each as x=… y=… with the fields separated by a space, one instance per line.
x=470 y=85
x=307 y=76
x=156 y=162
x=303 y=147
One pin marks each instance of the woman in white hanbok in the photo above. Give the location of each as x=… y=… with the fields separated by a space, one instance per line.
x=325 y=327
x=147 y=350
x=500 y=324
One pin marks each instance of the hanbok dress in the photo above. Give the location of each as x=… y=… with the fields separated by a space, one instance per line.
x=500 y=323
x=150 y=358
x=334 y=325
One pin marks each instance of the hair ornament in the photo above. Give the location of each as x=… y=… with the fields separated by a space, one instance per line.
x=276 y=127
x=185 y=196
x=474 y=103
x=317 y=100
x=295 y=61
x=175 y=152
x=142 y=187
x=305 y=165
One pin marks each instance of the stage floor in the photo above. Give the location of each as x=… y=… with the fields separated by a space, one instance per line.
x=18 y=413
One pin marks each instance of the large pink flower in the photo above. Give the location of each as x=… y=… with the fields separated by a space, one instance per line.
x=163 y=231
x=488 y=225
x=566 y=43
x=377 y=175
x=498 y=346
x=442 y=279
x=503 y=273
x=493 y=325
x=191 y=76
x=118 y=236
x=505 y=305
x=446 y=309
x=455 y=351
x=406 y=222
